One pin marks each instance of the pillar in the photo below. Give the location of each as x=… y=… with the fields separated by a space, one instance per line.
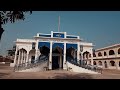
x=117 y=64
x=37 y=51
x=78 y=52
x=103 y=64
x=19 y=57
x=27 y=57
x=15 y=59
x=91 y=58
x=22 y=57
x=108 y=64
x=81 y=58
x=64 y=58
x=50 y=56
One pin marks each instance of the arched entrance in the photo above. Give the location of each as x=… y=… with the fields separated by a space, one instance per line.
x=57 y=56
x=21 y=56
x=31 y=57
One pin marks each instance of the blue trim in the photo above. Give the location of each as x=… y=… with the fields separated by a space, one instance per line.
x=47 y=44
x=71 y=45
x=71 y=37
x=59 y=35
x=43 y=35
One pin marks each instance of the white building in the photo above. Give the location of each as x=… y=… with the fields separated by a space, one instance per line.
x=57 y=48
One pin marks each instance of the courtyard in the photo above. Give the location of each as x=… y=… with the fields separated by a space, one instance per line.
x=6 y=72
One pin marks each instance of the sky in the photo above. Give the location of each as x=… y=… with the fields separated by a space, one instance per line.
x=102 y=28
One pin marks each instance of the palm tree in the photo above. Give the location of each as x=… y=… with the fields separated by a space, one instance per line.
x=11 y=16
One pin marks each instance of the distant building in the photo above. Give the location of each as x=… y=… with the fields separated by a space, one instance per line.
x=107 y=57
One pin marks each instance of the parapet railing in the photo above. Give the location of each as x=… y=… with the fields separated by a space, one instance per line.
x=30 y=64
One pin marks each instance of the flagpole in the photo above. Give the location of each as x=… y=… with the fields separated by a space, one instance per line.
x=59 y=24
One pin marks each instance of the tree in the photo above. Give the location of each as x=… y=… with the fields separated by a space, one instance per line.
x=11 y=16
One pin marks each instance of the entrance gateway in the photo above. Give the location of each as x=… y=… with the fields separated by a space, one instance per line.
x=57 y=48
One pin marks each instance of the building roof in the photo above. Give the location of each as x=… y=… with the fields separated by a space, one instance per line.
x=115 y=45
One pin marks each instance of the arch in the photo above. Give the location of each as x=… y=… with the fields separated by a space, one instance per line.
x=32 y=55
x=111 y=52
x=20 y=58
x=99 y=54
x=100 y=63
x=57 y=57
x=105 y=54
x=112 y=63
x=94 y=63
x=119 y=51
x=86 y=54
x=22 y=49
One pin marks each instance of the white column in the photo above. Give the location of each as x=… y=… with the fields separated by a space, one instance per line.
x=50 y=56
x=103 y=64
x=81 y=58
x=108 y=64
x=64 y=58
x=27 y=57
x=15 y=59
x=117 y=64
x=91 y=58
x=78 y=52
x=19 y=57
x=22 y=57
x=37 y=50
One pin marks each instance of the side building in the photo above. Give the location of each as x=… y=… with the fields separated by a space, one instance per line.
x=107 y=57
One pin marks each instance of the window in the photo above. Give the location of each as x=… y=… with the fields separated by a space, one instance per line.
x=112 y=63
x=105 y=54
x=119 y=51
x=99 y=54
x=111 y=52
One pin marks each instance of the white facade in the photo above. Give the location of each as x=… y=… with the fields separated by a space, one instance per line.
x=57 y=44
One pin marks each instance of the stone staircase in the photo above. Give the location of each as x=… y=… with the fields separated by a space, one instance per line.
x=38 y=65
x=82 y=68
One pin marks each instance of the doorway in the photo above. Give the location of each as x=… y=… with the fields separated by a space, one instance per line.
x=55 y=64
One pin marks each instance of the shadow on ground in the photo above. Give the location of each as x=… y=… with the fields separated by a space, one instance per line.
x=3 y=74
x=71 y=76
